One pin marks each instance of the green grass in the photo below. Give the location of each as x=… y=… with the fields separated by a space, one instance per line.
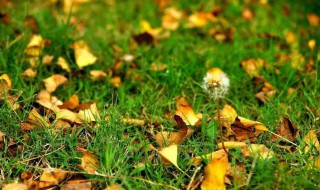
x=188 y=54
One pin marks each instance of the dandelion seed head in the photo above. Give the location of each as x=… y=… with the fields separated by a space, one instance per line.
x=216 y=83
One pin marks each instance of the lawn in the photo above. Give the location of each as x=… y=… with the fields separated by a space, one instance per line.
x=110 y=94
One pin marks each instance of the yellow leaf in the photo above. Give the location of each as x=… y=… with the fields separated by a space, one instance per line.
x=96 y=75
x=82 y=54
x=89 y=161
x=214 y=174
x=232 y=144
x=227 y=115
x=185 y=111
x=256 y=124
x=35 y=46
x=15 y=186
x=310 y=141
x=51 y=177
x=90 y=114
x=54 y=81
x=259 y=151
x=213 y=155
x=63 y=64
x=170 y=154
x=29 y=73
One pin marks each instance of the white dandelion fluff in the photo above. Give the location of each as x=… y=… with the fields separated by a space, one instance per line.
x=216 y=83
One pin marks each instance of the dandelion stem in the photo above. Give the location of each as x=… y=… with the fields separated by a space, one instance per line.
x=220 y=126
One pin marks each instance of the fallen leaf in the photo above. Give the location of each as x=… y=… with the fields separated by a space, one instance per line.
x=171 y=17
x=243 y=128
x=15 y=186
x=54 y=81
x=312 y=43
x=310 y=143
x=158 y=67
x=134 y=122
x=313 y=19
x=214 y=174
x=90 y=114
x=89 y=161
x=96 y=75
x=113 y=187
x=227 y=116
x=35 y=46
x=29 y=73
x=45 y=99
x=213 y=155
x=258 y=151
x=51 y=177
x=169 y=154
x=67 y=115
x=286 y=130
x=47 y=59
x=116 y=81
x=199 y=20
x=35 y=120
x=31 y=23
x=82 y=54
x=143 y=38
x=238 y=174
x=247 y=14
x=76 y=186
x=252 y=66
x=71 y=104
x=5 y=18
x=63 y=64
x=185 y=111
x=232 y=144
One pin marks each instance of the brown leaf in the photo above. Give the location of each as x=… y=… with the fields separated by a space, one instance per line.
x=47 y=59
x=143 y=38
x=310 y=143
x=247 y=14
x=171 y=17
x=286 y=130
x=214 y=174
x=31 y=23
x=77 y=186
x=54 y=81
x=244 y=128
x=5 y=17
x=116 y=81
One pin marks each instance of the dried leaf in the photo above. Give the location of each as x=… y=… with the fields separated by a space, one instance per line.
x=71 y=104
x=258 y=151
x=171 y=17
x=244 y=128
x=214 y=174
x=90 y=114
x=29 y=73
x=54 y=81
x=82 y=54
x=232 y=144
x=252 y=66
x=35 y=46
x=89 y=161
x=143 y=38
x=313 y=19
x=16 y=186
x=116 y=81
x=77 y=185
x=286 y=130
x=213 y=155
x=134 y=122
x=247 y=14
x=170 y=154
x=47 y=59
x=51 y=177
x=185 y=111
x=199 y=20
x=31 y=23
x=96 y=75
x=310 y=143
x=63 y=64
x=227 y=116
